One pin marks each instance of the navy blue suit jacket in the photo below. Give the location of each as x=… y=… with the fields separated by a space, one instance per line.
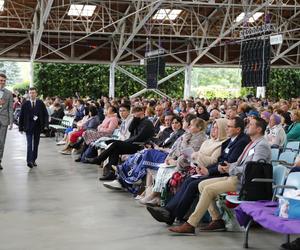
x=26 y=120
x=235 y=150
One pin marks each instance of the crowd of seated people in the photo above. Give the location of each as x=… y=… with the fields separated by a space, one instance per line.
x=171 y=154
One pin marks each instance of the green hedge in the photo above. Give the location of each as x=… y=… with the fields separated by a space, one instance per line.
x=65 y=80
x=284 y=83
x=21 y=87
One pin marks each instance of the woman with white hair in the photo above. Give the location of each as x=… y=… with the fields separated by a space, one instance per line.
x=275 y=133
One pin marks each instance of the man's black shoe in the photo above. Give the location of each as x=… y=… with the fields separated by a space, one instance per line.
x=161 y=214
x=1 y=167
x=30 y=165
x=91 y=160
x=34 y=164
x=109 y=177
x=78 y=159
x=293 y=245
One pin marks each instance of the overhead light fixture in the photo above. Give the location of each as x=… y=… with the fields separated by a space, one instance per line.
x=252 y=19
x=167 y=14
x=2 y=5
x=81 y=10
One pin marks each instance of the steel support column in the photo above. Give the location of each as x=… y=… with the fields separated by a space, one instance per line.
x=187 y=81
x=31 y=72
x=112 y=69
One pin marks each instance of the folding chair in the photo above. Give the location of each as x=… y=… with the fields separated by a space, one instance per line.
x=285 y=158
x=292 y=146
x=275 y=154
x=292 y=182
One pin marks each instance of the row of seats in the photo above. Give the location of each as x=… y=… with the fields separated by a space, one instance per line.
x=283 y=180
x=286 y=155
x=265 y=215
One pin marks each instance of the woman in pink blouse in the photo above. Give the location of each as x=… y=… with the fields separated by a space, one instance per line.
x=106 y=128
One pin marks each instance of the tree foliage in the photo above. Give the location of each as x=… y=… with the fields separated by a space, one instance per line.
x=21 y=87
x=284 y=83
x=12 y=71
x=65 y=80
x=213 y=76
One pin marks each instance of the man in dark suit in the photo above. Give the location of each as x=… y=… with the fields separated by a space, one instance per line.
x=33 y=119
x=179 y=205
x=257 y=149
x=141 y=130
x=159 y=110
x=6 y=113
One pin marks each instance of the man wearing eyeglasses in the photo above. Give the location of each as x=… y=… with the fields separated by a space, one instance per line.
x=179 y=205
x=6 y=113
x=257 y=149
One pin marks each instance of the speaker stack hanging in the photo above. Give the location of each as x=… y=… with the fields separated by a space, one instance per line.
x=155 y=67
x=255 y=57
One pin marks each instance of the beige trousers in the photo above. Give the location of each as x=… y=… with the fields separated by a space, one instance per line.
x=209 y=191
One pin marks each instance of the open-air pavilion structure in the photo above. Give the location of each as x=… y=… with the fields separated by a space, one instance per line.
x=189 y=33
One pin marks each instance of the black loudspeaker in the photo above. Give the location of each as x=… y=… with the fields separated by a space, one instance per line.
x=152 y=73
x=255 y=60
x=155 y=67
x=161 y=66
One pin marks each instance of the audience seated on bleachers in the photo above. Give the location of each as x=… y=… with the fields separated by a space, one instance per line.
x=141 y=130
x=275 y=133
x=231 y=149
x=88 y=123
x=129 y=128
x=90 y=150
x=136 y=166
x=293 y=131
x=257 y=149
x=79 y=110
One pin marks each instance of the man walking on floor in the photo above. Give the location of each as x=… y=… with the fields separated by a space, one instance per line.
x=33 y=119
x=6 y=113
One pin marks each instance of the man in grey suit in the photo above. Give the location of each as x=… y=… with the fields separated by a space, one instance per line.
x=257 y=149
x=6 y=113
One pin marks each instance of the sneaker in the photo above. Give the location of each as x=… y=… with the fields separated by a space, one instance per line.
x=114 y=185
x=62 y=142
x=214 y=226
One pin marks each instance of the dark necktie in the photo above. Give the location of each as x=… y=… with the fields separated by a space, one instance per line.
x=33 y=104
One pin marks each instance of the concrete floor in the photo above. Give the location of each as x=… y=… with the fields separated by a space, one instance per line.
x=62 y=205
